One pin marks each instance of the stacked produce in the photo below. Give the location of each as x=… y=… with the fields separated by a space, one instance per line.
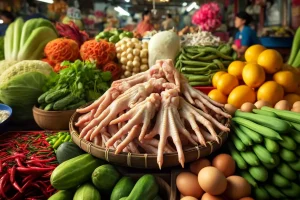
x=213 y=181
x=278 y=31
x=56 y=140
x=264 y=146
x=133 y=55
x=201 y=38
x=114 y=36
x=21 y=84
x=150 y=104
x=199 y=63
x=26 y=164
x=79 y=83
x=99 y=181
x=26 y=41
x=260 y=78
x=294 y=59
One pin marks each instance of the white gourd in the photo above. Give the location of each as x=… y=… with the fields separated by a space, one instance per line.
x=163 y=45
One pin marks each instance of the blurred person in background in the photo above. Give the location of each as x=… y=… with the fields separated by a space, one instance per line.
x=7 y=18
x=34 y=12
x=245 y=37
x=169 y=23
x=145 y=25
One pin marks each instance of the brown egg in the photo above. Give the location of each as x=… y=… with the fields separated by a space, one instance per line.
x=225 y=164
x=212 y=180
x=208 y=196
x=181 y=196
x=230 y=109
x=196 y=166
x=262 y=103
x=296 y=104
x=237 y=188
x=188 y=185
x=246 y=198
x=247 y=107
x=188 y=198
x=283 y=105
x=297 y=109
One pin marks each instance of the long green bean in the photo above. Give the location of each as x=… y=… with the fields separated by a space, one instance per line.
x=219 y=64
x=195 y=63
x=200 y=83
x=192 y=77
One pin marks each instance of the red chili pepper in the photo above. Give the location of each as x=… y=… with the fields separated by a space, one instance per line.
x=34 y=169
x=15 y=184
x=3 y=182
x=17 y=196
x=27 y=178
x=18 y=160
x=27 y=184
x=40 y=188
x=12 y=174
x=41 y=161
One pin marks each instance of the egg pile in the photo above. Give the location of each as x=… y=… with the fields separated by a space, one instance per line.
x=213 y=181
x=133 y=55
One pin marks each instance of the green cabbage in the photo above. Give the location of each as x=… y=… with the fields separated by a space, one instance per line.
x=21 y=85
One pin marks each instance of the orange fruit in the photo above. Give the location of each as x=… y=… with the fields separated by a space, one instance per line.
x=240 y=95
x=217 y=96
x=253 y=52
x=227 y=83
x=216 y=77
x=270 y=60
x=287 y=80
x=254 y=75
x=292 y=98
x=271 y=92
x=236 y=68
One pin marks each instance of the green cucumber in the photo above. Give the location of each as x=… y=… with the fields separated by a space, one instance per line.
x=42 y=98
x=239 y=145
x=146 y=188
x=62 y=195
x=274 y=192
x=263 y=112
x=249 y=178
x=261 y=194
x=67 y=151
x=76 y=105
x=87 y=192
x=295 y=125
x=288 y=143
x=240 y=162
x=276 y=162
x=105 y=178
x=280 y=181
x=259 y=173
x=284 y=114
x=49 y=107
x=288 y=155
x=62 y=103
x=74 y=172
x=295 y=165
x=263 y=154
x=57 y=94
x=271 y=122
x=293 y=191
x=256 y=137
x=264 y=131
x=122 y=188
x=250 y=158
x=295 y=135
x=271 y=145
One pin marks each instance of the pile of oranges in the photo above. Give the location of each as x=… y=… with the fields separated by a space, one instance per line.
x=262 y=77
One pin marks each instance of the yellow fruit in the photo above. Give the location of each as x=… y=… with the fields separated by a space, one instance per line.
x=271 y=92
x=270 y=60
x=253 y=52
x=236 y=68
x=227 y=83
x=217 y=96
x=240 y=95
x=216 y=77
x=292 y=98
x=254 y=75
x=287 y=80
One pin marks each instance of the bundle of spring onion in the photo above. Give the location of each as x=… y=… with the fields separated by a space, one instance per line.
x=199 y=63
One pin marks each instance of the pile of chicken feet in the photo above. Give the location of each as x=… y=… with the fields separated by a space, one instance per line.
x=134 y=111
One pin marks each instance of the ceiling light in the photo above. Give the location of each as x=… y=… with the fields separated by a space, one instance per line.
x=1 y=21
x=127 y=1
x=184 y=4
x=121 y=11
x=46 y=1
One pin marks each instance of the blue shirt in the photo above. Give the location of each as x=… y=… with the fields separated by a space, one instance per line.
x=247 y=36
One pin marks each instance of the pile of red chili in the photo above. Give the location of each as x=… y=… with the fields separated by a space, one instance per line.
x=26 y=164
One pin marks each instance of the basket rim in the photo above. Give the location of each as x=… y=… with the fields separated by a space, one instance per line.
x=35 y=108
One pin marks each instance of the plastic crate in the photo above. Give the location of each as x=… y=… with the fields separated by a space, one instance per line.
x=273 y=42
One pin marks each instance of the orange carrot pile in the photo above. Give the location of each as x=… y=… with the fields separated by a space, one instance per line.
x=100 y=52
x=113 y=68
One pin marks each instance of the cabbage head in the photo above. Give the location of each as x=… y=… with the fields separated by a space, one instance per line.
x=21 y=86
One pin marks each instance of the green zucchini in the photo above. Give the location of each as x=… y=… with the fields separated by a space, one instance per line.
x=42 y=98
x=64 y=102
x=74 y=172
x=122 y=188
x=87 y=192
x=57 y=94
x=62 y=195
x=76 y=105
x=284 y=114
x=263 y=112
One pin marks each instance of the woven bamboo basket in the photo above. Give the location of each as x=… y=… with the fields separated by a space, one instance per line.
x=145 y=161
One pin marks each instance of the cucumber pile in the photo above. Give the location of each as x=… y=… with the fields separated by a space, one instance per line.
x=77 y=84
x=264 y=145
x=94 y=180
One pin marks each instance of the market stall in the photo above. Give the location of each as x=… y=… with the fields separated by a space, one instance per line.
x=171 y=115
